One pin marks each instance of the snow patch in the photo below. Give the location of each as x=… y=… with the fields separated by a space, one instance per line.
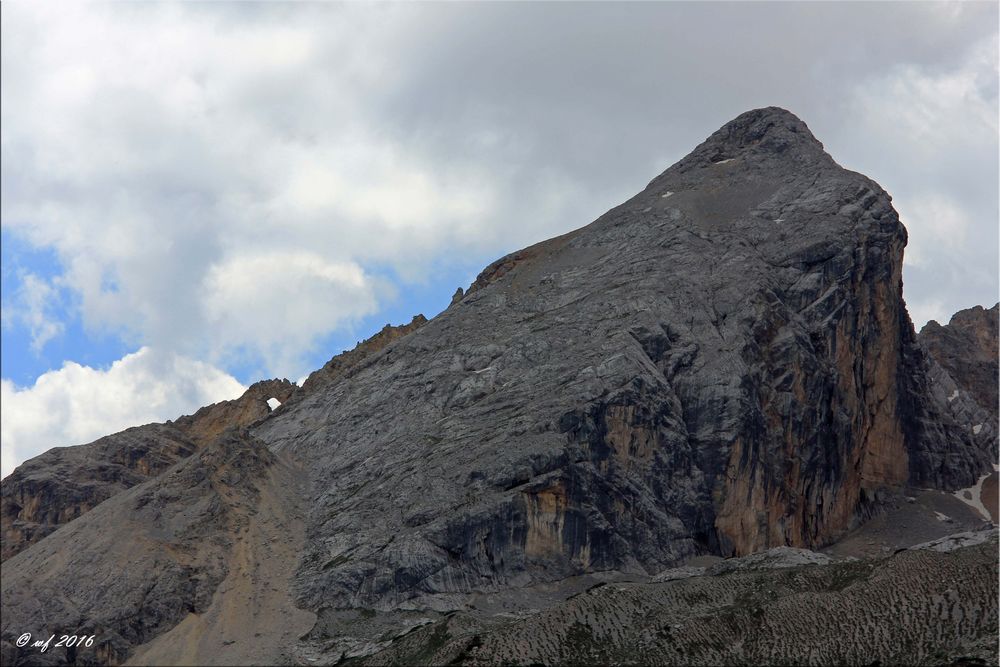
x=726 y=161
x=666 y=194
x=972 y=496
x=942 y=517
x=953 y=396
x=273 y=403
x=976 y=429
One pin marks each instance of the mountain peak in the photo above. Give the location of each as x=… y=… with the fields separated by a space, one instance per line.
x=761 y=135
x=771 y=128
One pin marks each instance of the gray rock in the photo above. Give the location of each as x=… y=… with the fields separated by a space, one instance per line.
x=966 y=349
x=772 y=559
x=727 y=369
x=959 y=540
x=138 y=563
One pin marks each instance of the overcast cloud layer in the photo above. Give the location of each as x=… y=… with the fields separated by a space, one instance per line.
x=225 y=185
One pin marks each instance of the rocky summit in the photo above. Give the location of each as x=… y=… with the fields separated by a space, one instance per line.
x=552 y=469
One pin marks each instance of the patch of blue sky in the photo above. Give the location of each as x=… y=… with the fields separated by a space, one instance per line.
x=19 y=362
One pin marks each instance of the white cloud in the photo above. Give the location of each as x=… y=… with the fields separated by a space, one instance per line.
x=277 y=303
x=921 y=312
x=931 y=112
x=77 y=404
x=344 y=132
x=936 y=223
x=33 y=307
x=154 y=178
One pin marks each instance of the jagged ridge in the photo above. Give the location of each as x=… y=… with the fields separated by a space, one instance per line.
x=65 y=483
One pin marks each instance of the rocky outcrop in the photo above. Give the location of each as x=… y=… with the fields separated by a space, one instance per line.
x=958 y=439
x=967 y=349
x=341 y=365
x=209 y=422
x=961 y=363
x=66 y=482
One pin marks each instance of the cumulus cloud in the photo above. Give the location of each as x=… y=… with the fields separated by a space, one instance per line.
x=279 y=302
x=343 y=131
x=77 y=404
x=154 y=177
x=34 y=307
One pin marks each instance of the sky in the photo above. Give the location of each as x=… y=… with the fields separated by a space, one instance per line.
x=199 y=196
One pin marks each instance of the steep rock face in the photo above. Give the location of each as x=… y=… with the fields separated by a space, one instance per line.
x=960 y=396
x=721 y=364
x=967 y=349
x=958 y=439
x=66 y=482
